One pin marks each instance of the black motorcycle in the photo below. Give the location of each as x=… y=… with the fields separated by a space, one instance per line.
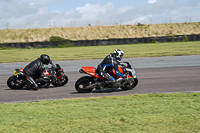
x=53 y=75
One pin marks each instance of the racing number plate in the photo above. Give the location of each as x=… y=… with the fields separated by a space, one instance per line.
x=15 y=73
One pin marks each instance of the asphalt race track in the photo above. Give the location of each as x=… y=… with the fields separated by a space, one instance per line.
x=155 y=74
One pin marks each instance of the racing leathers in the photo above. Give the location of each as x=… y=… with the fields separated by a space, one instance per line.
x=34 y=70
x=110 y=62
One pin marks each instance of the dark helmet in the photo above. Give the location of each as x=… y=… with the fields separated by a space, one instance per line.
x=45 y=59
x=118 y=54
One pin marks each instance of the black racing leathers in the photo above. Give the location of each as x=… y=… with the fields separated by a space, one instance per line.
x=34 y=70
x=109 y=63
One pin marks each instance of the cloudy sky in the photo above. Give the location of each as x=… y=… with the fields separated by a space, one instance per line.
x=64 y=13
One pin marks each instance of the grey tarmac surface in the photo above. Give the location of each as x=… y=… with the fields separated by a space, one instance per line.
x=155 y=74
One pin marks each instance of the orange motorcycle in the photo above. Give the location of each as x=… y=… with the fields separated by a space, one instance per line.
x=86 y=84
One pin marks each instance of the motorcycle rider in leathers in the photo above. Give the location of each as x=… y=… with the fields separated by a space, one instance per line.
x=111 y=62
x=36 y=69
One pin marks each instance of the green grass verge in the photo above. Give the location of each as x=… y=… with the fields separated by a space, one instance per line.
x=99 y=52
x=147 y=113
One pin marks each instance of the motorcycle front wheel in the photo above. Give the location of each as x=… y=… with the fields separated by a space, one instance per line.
x=130 y=86
x=83 y=82
x=61 y=81
x=14 y=82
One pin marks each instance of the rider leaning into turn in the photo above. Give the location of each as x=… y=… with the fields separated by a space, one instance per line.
x=36 y=69
x=111 y=62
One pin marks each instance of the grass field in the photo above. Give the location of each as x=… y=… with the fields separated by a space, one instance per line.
x=99 y=52
x=99 y=32
x=144 y=113
x=147 y=113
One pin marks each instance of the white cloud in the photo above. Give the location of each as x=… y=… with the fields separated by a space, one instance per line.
x=152 y=1
x=18 y=13
x=90 y=11
x=125 y=9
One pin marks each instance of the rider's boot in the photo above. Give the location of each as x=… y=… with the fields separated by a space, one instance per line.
x=33 y=84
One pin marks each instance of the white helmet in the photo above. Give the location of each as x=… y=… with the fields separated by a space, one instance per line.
x=118 y=54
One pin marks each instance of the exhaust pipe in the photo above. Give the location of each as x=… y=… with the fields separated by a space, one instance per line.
x=92 y=85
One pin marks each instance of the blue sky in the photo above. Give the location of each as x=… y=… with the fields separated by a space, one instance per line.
x=65 y=13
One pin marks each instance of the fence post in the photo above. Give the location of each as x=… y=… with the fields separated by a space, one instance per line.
x=7 y=26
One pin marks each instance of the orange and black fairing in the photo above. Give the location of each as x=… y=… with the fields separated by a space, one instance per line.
x=113 y=73
x=19 y=71
x=45 y=71
x=91 y=71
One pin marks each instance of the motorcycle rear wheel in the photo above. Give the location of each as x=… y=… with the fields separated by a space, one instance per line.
x=82 y=82
x=130 y=86
x=13 y=84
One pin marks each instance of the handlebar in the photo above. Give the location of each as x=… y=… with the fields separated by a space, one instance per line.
x=53 y=65
x=127 y=64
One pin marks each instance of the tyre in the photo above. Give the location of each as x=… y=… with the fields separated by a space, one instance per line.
x=130 y=86
x=82 y=82
x=13 y=84
x=62 y=81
